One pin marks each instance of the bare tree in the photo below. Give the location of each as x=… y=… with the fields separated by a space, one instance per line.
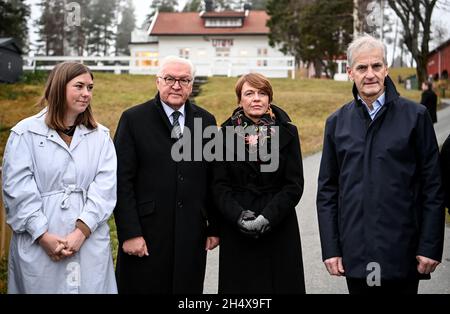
x=440 y=34
x=360 y=12
x=416 y=20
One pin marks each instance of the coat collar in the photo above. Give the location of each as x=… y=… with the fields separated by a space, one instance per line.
x=285 y=127
x=189 y=109
x=38 y=126
x=391 y=95
x=283 y=121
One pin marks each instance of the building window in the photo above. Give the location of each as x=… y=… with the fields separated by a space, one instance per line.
x=152 y=60
x=221 y=22
x=201 y=52
x=262 y=52
x=222 y=52
x=222 y=42
x=184 y=53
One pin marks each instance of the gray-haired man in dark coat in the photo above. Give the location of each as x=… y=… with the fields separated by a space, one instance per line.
x=380 y=201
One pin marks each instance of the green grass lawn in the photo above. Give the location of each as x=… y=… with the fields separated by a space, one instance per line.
x=308 y=102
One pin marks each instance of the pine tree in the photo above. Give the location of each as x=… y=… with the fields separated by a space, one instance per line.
x=125 y=27
x=77 y=34
x=161 y=6
x=13 y=21
x=313 y=31
x=101 y=26
x=193 y=6
x=259 y=4
x=51 y=28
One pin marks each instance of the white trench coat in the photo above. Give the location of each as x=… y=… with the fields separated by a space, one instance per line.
x=47 y=186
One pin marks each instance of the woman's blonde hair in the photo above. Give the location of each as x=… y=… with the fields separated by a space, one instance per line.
x=55 y=96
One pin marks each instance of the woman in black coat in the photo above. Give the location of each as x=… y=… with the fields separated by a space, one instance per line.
x=260 y=249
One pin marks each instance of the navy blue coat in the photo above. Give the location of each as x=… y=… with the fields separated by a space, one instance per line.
x=380 y=195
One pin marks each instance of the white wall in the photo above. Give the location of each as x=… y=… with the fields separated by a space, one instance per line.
x=243 y=55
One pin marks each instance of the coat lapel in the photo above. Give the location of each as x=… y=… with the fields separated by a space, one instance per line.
x=164 y=118
x=80 y=134
x=40 y=127
x=190 y=114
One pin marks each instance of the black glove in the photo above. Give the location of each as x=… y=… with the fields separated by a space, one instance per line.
x=260 y=224
x=244 y=217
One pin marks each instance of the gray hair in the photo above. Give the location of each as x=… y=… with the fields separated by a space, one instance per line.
x=364 y=42
x=175 y=59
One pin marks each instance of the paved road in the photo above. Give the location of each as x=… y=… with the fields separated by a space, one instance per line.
x=316 y=276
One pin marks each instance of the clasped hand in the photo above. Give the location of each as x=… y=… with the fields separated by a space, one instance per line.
x=251 y=225
x=58 y=248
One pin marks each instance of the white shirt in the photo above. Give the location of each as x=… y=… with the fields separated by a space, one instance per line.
x=168 y=110
x=377 y=105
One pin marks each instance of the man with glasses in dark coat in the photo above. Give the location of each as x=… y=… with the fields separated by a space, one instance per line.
x=164 y=213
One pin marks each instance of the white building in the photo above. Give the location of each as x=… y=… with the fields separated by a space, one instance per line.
x=228 y=43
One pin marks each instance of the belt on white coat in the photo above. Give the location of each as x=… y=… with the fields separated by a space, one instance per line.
x=67 y=190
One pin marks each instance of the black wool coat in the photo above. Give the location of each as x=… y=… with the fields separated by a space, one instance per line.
x=445 y=162
x=273 y=262
x=166 y=202
x=429 y=100
x=379 y=190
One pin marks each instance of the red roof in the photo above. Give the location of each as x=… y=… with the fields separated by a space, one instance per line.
x=191 y=23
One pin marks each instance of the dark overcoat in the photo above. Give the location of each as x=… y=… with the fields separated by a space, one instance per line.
x=379 y=190
x=166 y=202
x=429 y=100
x=273 y=262
x=445 y=162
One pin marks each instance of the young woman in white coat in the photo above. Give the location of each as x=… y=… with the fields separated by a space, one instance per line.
x=59 y=189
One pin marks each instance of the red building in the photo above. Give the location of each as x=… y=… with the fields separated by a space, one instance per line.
x=438 y=63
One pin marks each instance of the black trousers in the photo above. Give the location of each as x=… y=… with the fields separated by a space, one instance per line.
x=359 y=286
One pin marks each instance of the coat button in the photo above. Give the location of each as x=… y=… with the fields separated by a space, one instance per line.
x=180 y=204
x=180 y=177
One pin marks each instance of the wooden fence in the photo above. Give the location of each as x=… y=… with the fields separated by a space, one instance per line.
x=223 y=66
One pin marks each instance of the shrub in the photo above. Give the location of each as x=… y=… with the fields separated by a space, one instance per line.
x=34 y=78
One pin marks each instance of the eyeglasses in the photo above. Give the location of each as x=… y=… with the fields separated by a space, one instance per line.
x=170 y=81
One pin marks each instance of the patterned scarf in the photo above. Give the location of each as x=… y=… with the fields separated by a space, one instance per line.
x=254 y=134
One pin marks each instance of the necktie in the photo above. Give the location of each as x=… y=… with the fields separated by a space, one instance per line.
x=176 y=124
